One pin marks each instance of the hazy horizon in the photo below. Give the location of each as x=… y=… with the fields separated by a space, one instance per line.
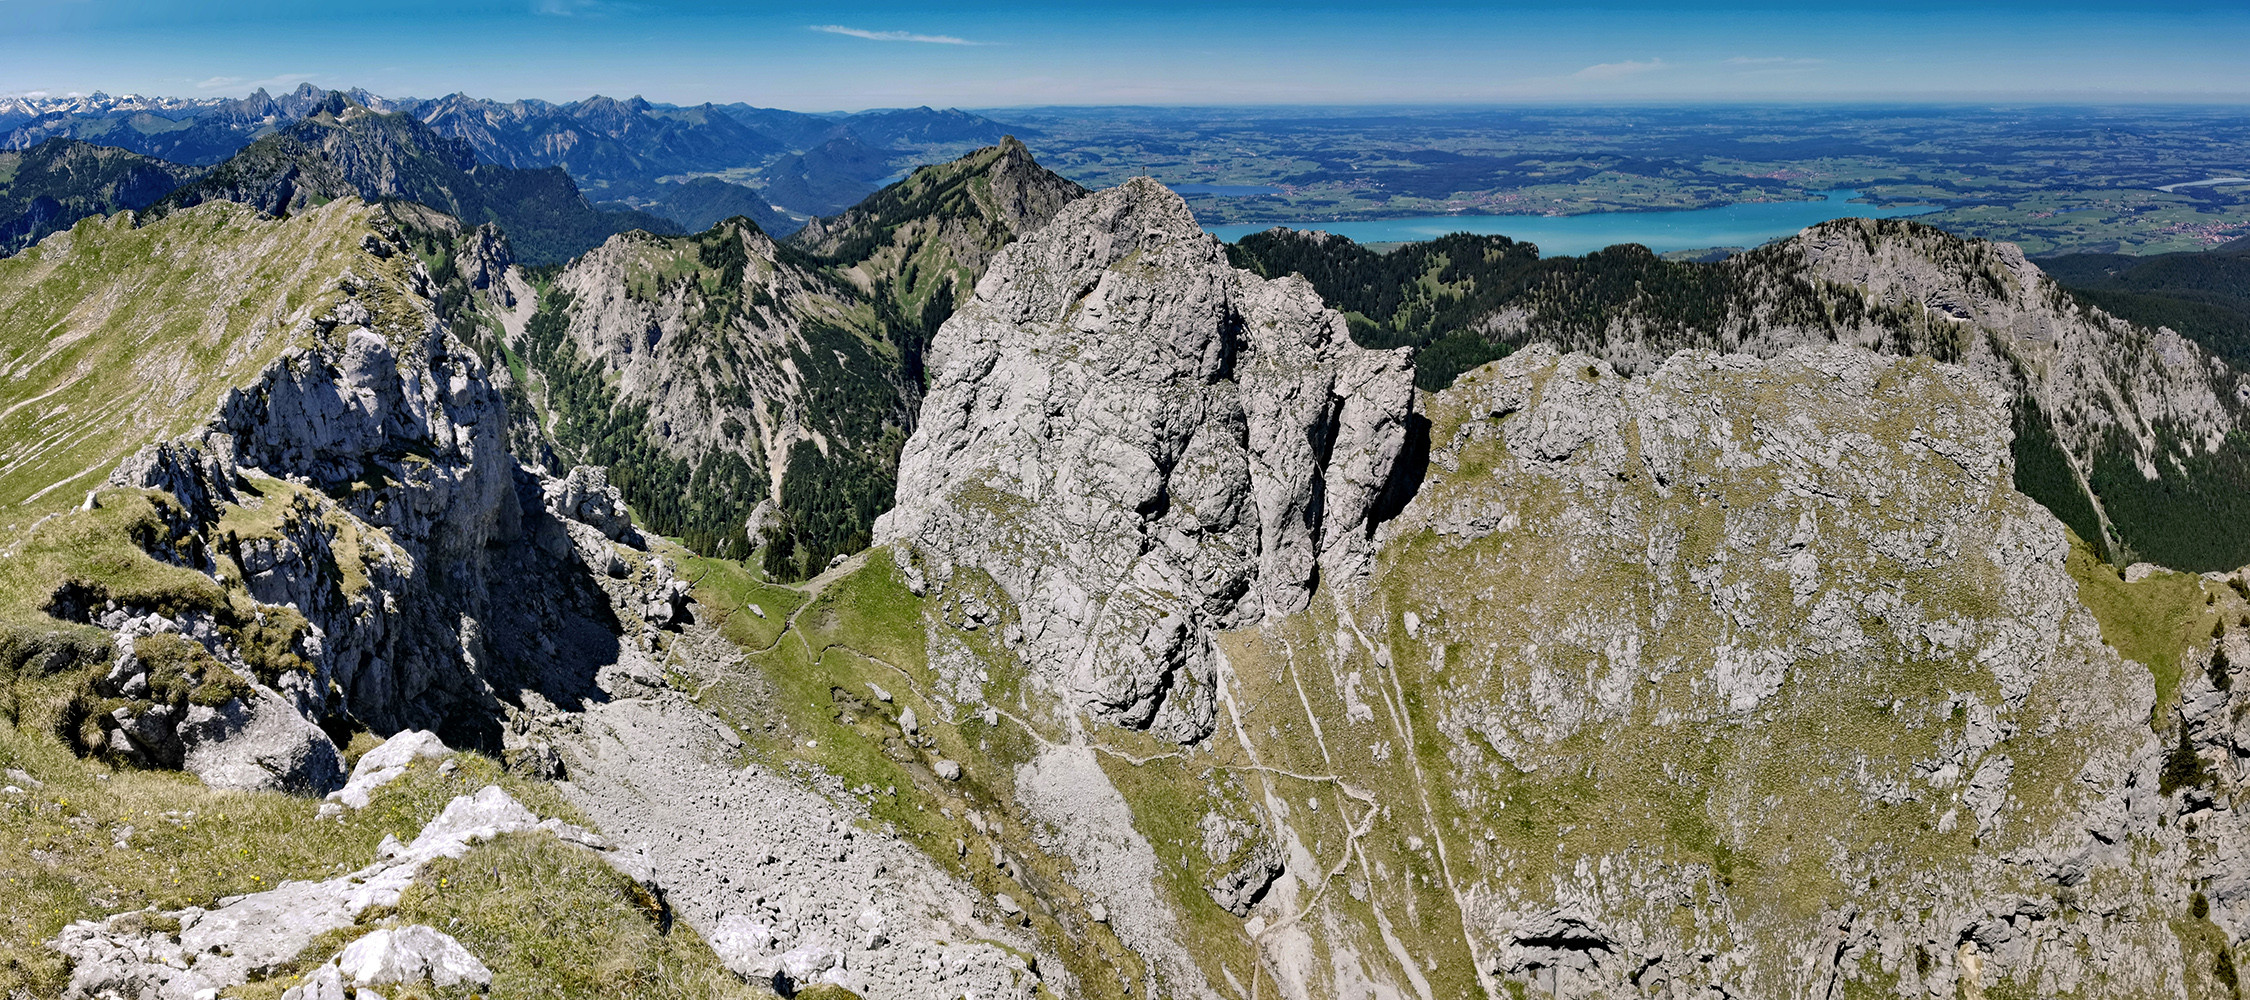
x=1017 y=55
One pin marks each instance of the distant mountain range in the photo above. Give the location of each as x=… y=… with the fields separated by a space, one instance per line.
x=620 y=148
x=521 y=165
x=344 y=150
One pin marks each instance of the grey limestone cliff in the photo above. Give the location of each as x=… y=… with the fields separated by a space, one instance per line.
x=2124 y=431
x=1140 y=445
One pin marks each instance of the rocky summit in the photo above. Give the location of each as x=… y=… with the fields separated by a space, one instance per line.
x=1140 y=446
x=1004 y=590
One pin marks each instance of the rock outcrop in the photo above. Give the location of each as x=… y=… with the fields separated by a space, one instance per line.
x=1773 y=643
x=725 y=365
x=2132 y=410
x=2125 y=432
x=402 y=442
x=244 y=936
x=1141 y=445
x=964 y=211
x=358 y=496
x=385 y=764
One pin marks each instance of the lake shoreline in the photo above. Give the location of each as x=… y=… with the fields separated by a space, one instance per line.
x=1660 y=230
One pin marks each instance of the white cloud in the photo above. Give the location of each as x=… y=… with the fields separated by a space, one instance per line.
x=893 y=36
x=1620 y=70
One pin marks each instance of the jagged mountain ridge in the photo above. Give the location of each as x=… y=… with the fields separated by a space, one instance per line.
x=340 y=543
x=604 y=142
x=192 y=131
x=757 y=394
x=645 y=157
x=2128 y=433
x=345 y=150
x=51 y=186
x=600 y=140
x=1563 y=678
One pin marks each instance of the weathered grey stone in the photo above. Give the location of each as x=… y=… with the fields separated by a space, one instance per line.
x=323 y=983
x=388 y=763
x=222 y=947
x=199 y=474
x=1243 y=862
x=412 y=954
x=483 y=259
x=585 y=496
x=259 y=743
x=1141 y=445
x=781 y=878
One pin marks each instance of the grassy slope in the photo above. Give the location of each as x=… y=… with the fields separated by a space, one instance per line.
x=2152 y=621
x=115 y=337
x=120 y=321
x=63 y=864
x=806 y=697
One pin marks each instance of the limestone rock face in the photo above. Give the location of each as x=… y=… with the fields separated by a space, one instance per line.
x=201 y=480
x=2111 y=384
x=1139 y=445
x=328 y=415
x=1769 y=642
x=362 y=481
x=484 y=258
x=406 y=441
x=656 y=345
x=585 y=496
x=2119 y=424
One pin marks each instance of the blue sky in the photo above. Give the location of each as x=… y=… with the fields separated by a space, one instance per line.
x=851 y=55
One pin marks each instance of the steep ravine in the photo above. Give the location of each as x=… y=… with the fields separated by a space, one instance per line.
x=343 y=548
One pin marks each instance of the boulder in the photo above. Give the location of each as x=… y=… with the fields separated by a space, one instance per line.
x=410 y=955
x=387 y=763
x=259 y=743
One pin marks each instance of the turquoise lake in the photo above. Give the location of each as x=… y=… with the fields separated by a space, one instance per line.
x=1745 y=225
